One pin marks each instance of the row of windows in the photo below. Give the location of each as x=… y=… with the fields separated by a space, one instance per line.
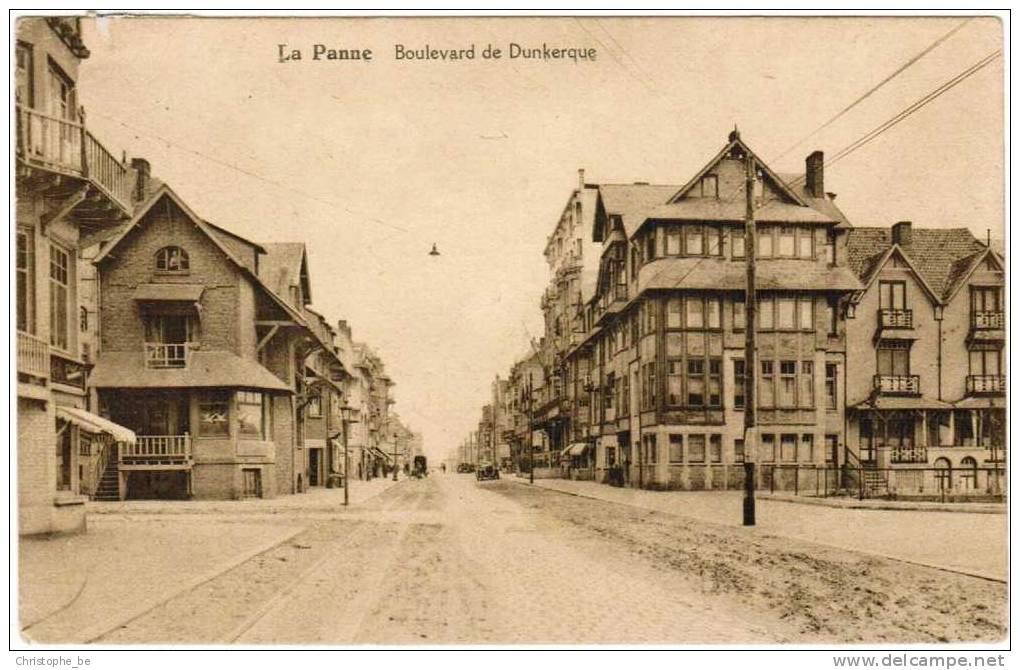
x=702 y=448
x=705 y=240
x=696 y=383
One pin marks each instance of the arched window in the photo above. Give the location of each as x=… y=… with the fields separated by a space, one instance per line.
x=968 y=474
x=943 y=474
x=172 y=259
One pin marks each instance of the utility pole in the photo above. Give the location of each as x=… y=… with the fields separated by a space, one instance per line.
x=531 y=446
x=750 y=346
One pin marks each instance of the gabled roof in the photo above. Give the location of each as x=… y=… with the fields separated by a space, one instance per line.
x=736 y=143
x=164 y=191
x=965 y=267
x=223 y=231
x=934 y=255
x=631 y=201
x=285 y=264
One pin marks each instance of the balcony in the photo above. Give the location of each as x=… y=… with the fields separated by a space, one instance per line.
x=898 y=384
x=55 y=146
x=896 y=318
x=164 y=356
x=988 y=320
x=986 y=384
x=33 y=357
x=167 y=452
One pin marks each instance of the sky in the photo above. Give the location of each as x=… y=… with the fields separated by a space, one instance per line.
x=370 y=163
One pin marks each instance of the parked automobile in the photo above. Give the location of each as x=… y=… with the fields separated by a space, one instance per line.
x=487 y=471
x=465 y=467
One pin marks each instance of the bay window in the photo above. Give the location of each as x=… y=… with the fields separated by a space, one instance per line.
x=253 y=415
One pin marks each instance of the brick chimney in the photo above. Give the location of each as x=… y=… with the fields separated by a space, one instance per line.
x=142 y=173
x=901 y=233
x=814 y=173
x=580 y=179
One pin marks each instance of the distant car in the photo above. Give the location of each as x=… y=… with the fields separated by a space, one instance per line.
x=465 y=467
x=487 y=471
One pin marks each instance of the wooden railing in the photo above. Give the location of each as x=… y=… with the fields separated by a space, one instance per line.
x=160 y=356
x=977 y=384
x=65 y=146
x=33 y=356
x=988 y=320
x=898 y=384
x=157 y=449
x=106 y=171
x=896 y=318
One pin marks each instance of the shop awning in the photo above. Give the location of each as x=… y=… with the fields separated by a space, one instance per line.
x=93 y=423
x=903 y=403
x=973 y=402
x=168 y=292
x=575 y=449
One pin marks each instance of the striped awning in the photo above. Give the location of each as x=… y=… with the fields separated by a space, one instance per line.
x=93 y=423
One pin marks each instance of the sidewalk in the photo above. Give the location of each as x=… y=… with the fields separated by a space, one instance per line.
x=136 y=554
x=967 y=542
x=315 y=500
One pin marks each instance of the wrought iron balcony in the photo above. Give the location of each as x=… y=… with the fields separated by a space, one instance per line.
x=66 y=147
x=986 y=384
x=898 y=384
x=162 y=356
x=895 y=318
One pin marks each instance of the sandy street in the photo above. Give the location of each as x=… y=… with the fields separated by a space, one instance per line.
x=448 y=560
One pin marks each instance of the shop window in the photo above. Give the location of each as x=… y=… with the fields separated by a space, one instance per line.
x=696 y=448
x=715 y=448
x=676 y=448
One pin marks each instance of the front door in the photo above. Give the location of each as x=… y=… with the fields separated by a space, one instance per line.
x=251 y=483
x=314 y=460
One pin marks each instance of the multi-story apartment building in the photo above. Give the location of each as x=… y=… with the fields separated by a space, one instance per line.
x=666 y=326
x=70 y=188
x=376 y=401
x=572 y=259
x=524 y=388
x=322 y=407
x=926 y=386
x=200 y=357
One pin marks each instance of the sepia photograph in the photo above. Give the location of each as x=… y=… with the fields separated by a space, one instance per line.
x=446 y=332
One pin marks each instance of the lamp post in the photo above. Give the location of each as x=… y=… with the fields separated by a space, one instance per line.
x=348 y=415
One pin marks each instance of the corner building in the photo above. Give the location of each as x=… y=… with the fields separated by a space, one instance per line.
x=665 y=330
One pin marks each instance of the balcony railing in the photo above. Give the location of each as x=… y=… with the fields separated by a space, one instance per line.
x=65 y=146
x=161 y=356
x=33 y=356
x=986 y=384
x=988 y=320
x=157 y=450
x=909 y=454
x=898 y=384
x=896 y=318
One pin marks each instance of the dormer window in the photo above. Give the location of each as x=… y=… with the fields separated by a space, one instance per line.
x=172 y=259
x=710 y=186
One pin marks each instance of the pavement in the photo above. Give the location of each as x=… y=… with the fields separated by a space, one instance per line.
x=449 y=560
x=135 y=555
x=973 y=543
